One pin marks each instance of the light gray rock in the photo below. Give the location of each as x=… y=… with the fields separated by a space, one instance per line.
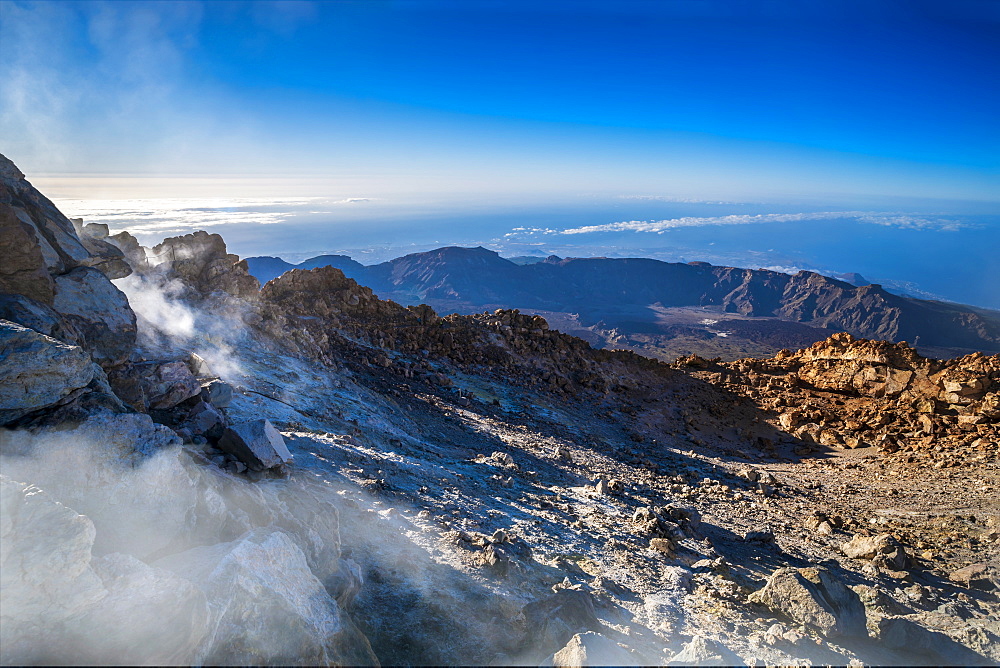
x=815 y=598
x=702 y=651
x=257 y=444
x=99 y=312
x=37 y=371
x=883 y=549
x=591 y=649
x=35 y=315
x=45 y=574
x=217 y=392
x=267 y=605
x=923 y=646
x=150 y=616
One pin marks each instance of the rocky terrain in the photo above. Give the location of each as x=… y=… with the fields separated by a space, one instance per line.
x=645 y=305
x=198 y=469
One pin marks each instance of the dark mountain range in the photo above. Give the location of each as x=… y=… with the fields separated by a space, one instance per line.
x=266 y=268
x=600 y=289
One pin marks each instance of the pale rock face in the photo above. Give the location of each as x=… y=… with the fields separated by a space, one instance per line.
x=24 y=269
x=37 y=371
x=815 y=598
x=267 y=606
x=45 y=573
x=257 y=444
x=591 y=649
x=99 y=311
x=150 y=616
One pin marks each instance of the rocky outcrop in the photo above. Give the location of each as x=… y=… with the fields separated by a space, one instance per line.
x=45 y=260
x=154 y=385
x=99 y=312
x=852 y=393
x=257 y=444
x=201 y=261
x=37 y=371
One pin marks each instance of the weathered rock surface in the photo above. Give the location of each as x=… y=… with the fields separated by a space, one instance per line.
x=704 y=652
x=200 y=260
x=267 y=606
x=815 y=598
x=591 y=649
x=99 y=312
x=24 y=270
x=37 y=371
x=154 y=385
x=35 y=315
x=257 y=444
x=45 y=574
x=848 y=393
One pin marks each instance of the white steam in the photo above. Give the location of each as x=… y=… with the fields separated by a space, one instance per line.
x=170 y=325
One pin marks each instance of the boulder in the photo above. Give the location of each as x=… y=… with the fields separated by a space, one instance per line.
x=206 y=420
x=35 y=315
x=134 y=253
x=217 y=392
x=45 y=574
x=883 y=549
x=23 y=269
x=37 y=371
x=591 y=649
x=99 y=312
x=979 y=576
x=257 y=444
x=267 y=606
x=553 y=620
x=815 y=598
x=154 y=385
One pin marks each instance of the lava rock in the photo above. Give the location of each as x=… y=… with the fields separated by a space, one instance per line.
x=257 y=444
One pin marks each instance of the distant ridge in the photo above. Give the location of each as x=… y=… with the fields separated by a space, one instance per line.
x=467 y=279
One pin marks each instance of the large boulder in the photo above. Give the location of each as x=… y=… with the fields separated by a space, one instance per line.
x=105 y=257
x=35 y=315
x=37 y=371
x=883 y=550
x=45 y=573
x=814 y=598
x=23 y=270
x=60 y=605
x=257 y=444
x=154 y=385
x=267 y=606
x=56 y=238
x=99 y=312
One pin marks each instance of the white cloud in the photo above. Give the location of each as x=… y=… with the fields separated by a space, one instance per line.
x=901 y=220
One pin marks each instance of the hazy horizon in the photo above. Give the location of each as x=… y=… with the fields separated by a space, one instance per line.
x=856 y=137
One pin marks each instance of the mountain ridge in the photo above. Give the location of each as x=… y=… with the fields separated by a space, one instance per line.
x=468 y=279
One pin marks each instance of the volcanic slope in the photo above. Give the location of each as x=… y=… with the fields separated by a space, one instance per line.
x=464 y=490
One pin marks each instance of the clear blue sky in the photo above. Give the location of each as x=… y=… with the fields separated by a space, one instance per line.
x=671 y=97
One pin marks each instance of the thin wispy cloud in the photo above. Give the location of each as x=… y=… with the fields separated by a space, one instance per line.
x=900 y=220
x=158 y=217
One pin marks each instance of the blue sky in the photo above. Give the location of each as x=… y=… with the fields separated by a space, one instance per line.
x=767 y=100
